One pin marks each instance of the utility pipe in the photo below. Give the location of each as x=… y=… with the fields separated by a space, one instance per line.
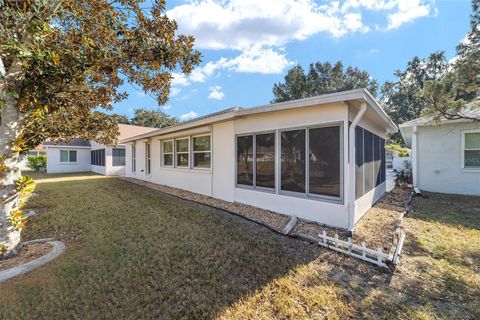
x=351 y=167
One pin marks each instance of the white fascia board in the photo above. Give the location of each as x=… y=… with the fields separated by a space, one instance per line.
x=68 y=147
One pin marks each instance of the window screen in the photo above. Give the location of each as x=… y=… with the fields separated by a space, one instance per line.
x=359 y=162
x=376 y=160
x=293 y=161
x=97 y=157
x=265 y=160
x=245 y=160
x=324 y=161
x=118 y=157
x=368 y=161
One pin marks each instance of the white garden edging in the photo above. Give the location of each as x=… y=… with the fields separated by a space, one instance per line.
x=57 y=248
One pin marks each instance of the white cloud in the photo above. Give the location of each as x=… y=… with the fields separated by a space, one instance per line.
x=188 y=116
x=409 y=10
x=179 y=79
x=373 y=51
x=216 y=93
x=167 y=107
x=174 y=91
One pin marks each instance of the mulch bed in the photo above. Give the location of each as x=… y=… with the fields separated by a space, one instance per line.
x=26 y=254
x=375 y=228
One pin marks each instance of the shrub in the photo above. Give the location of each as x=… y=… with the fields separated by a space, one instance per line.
x=402 y=152
x=37 y=162
x=405 y=174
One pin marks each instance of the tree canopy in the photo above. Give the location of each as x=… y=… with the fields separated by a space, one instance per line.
x=322 y=78
x=149 y=118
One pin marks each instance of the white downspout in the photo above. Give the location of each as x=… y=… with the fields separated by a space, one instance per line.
x=414 y=156
x=351 y=167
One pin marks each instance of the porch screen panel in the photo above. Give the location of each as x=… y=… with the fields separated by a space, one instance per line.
x=118 y=157
x=359 y=177
x=293 y=161
x=324 y=161
x=368 y=161
x=382 y=159
x=265 y=160
x=245 y=160
x=376 y=161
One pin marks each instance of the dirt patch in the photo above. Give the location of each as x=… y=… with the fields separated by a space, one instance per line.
x=26 y=254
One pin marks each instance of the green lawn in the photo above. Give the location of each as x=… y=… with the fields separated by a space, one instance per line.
x=133 y=253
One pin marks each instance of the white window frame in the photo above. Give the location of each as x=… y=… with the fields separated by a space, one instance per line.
x=148 y=158
x=463 y=150
x=134 y=158
x=183 y=152
x=68 y=153
x=164 y=153
x=209 y=135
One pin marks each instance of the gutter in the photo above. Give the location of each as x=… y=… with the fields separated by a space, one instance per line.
x=351 y=167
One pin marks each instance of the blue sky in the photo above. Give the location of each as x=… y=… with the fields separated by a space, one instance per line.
x=248 y=45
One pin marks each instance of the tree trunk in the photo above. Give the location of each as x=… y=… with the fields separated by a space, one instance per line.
x=11 y=120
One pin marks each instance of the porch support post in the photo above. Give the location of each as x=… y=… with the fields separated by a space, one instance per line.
x=351 y=167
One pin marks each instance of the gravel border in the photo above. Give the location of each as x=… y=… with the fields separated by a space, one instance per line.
x=57 y=249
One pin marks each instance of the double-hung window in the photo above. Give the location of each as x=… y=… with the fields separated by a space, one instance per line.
x=118 y=157
x=182 y=147
x=68 y=156
x=256 y=160
x=202 y=152
x=167 y=149
x=134 y=158
x=147 y=158
x=471 y=149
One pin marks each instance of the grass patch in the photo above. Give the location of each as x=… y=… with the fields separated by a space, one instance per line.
x=133 y=253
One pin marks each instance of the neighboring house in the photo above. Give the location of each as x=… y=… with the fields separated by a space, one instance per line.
x=320 y=158
x=445 y=155
x=80 y=155
x=39 y=150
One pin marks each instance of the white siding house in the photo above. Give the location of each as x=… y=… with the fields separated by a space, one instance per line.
x=445 y=155
x=80 y=155
x=297 y=158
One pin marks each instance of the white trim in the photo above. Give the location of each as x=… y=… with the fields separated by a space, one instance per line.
x=163 y=153
x=462 y=150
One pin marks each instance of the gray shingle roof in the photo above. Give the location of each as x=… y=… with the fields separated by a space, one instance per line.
x=73 y=143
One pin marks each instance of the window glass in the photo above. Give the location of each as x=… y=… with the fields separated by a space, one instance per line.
x=201 y=160
x=265 y=160
x=201 y=143
x=472 y=140
x=168 y=146
x=134 y=159
x=147 y=158
x=377 y=175
x=182 y=159
x=358 y=162
x=73 y=156
x=472 y=158
x=63 y=156
x=293 y=160
x=245 y=160
x=324 y=161
x=368 y=161
x=168 y=159
x=182 y=145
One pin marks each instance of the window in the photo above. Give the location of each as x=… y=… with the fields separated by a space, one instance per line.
x=97 y=157
x=147 y=158
x=324 y=161
x=134 y=158
x=201 y=152
x=293 y=176
x=118 y=157
x=182 y=148
x=368 y=161
x=245 y=160
x=167 y=153
x=265 y=160
x=471 y=150
x=359 y=162
x=68 y=156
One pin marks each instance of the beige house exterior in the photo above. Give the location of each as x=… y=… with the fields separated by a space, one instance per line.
x=318 y=158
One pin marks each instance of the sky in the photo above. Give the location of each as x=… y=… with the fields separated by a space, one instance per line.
x=248 y=45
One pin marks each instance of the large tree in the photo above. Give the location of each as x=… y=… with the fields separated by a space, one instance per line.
x=152 y=118
x=401 y=98
x=63 y=61
x=321 y=78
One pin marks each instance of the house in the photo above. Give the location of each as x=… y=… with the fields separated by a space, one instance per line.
x=320 y=158
x=445 y=154
x=80 y=155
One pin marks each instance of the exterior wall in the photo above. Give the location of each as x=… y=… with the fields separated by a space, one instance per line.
x=108 y=169
x=366 y=201
x=439 y=160
x=223 y=164
x=54 y=165
x=99 y=169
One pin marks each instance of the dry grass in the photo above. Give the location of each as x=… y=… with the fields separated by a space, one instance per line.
x=133 y=253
